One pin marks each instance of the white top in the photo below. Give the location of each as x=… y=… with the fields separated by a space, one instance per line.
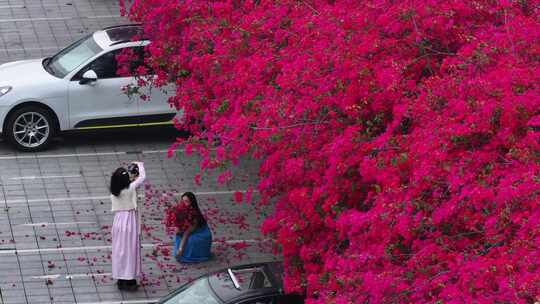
x=127 y=199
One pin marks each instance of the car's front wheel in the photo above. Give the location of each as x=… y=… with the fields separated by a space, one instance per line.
x=30 y=128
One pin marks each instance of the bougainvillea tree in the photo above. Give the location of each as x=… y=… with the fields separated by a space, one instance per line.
x=399 y=140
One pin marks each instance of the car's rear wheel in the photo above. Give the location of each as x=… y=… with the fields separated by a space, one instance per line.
x=30 y=128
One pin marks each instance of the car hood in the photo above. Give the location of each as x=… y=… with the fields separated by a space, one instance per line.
x=24 y=72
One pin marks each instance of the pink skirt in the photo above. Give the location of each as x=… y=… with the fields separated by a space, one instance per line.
x=126 y=249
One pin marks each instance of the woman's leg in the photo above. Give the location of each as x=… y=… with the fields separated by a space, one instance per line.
x=125 y=246
x=121 y=284
x=131 y=285
x=177 y=239
x=198 y=246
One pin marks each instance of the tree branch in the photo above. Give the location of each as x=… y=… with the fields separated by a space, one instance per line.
x=296 y=125
x=311 y=7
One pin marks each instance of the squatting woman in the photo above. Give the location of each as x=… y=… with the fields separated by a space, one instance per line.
x=193 y=245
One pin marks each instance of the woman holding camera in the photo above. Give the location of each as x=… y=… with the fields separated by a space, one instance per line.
x=126 y=252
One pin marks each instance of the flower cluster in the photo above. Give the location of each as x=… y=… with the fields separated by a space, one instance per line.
x=398 y=140
x=178 y=217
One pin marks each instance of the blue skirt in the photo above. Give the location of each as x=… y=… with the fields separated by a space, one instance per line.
x=197 y=247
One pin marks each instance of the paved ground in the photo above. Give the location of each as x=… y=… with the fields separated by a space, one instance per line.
x=37 y=28
x=54 y=210
x=55 y=219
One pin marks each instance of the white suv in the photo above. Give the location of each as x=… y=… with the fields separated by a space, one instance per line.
x=76 y=89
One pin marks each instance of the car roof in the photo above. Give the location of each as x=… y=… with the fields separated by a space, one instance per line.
x=226 y=286
x=113 y=35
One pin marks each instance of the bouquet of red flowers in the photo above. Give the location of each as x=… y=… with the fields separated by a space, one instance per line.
x=178 y=216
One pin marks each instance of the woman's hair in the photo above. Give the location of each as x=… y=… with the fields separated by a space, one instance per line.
x=201 y=221
x=119 y=181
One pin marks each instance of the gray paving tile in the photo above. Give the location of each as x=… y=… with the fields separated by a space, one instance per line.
x=84 y=297
x=18 y=300
x=112 y=295
x=62 y=295
x=39 y=299
x=40 y=290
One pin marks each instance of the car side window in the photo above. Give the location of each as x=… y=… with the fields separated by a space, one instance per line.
x=138 y=55
x=289 y=299
x=282 y=299
x=262 y=300
x=105 y=66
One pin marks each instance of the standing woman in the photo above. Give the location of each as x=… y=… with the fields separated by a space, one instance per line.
x=126 y=250
x=193 y=245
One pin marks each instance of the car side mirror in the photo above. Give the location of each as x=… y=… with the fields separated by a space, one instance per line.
x=88 y=77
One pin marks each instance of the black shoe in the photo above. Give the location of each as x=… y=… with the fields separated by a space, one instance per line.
x=131 y=285
x=121 y=284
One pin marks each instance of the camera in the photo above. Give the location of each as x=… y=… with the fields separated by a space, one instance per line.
x=133 y=169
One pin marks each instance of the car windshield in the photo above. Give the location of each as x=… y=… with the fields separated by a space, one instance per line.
x=71 y=57
x=197 y=292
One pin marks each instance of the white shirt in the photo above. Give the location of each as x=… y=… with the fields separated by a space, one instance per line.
x=127 y=199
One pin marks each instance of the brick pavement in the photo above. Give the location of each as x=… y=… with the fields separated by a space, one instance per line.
x=34 y=29
x=58 y=199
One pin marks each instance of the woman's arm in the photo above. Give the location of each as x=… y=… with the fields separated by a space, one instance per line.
x=184 y=239
x=140 y=178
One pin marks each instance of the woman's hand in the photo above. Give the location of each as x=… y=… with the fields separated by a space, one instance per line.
x=139 y=177
x=183 y=242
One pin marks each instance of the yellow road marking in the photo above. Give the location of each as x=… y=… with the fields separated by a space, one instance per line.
x=127 y=125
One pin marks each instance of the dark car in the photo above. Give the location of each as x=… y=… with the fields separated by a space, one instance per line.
x=259 y=283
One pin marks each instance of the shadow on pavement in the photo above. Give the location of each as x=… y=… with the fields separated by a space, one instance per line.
x=147 y=135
